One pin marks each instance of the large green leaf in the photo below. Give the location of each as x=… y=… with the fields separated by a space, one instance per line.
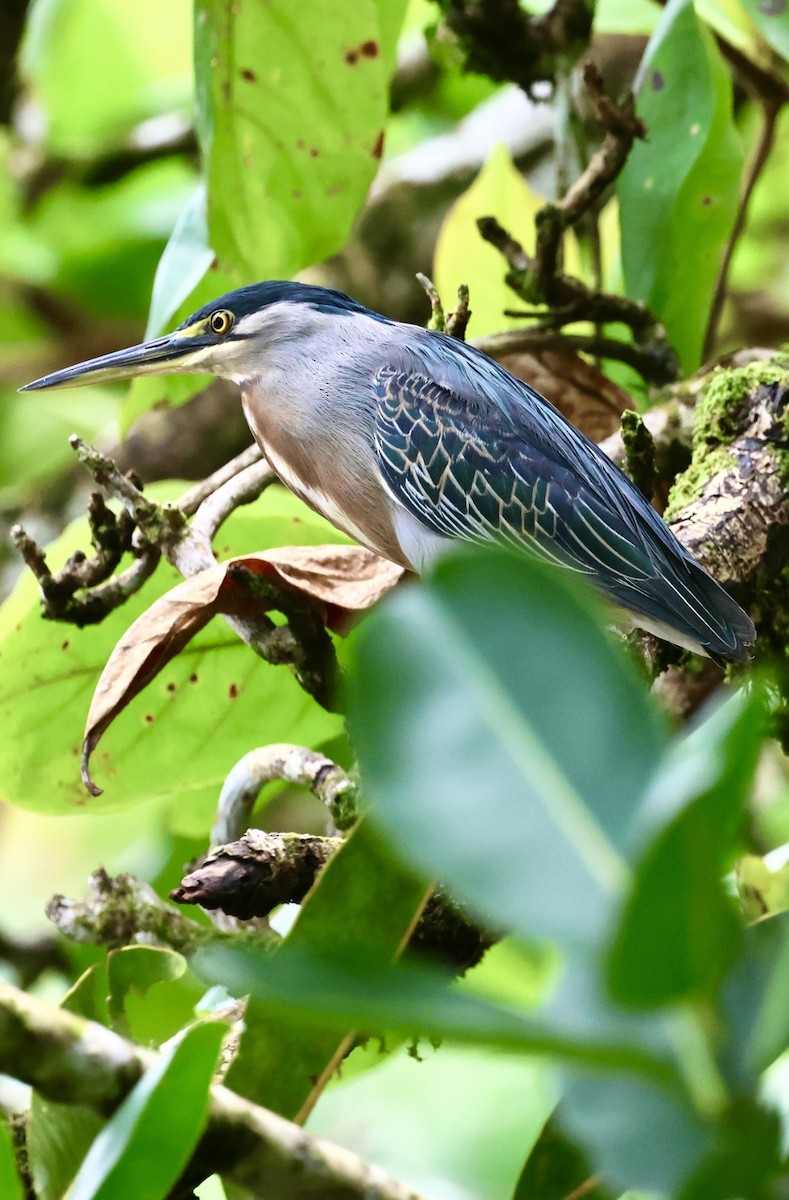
x=771 y=18
x=90 y=98
x=210 y=706
x=504 y=742
x=293 y=104
x=351 y=989
x=362 y=901
x=679 y=932
x=142 y=1150
x=679 y=190
x=291 y=113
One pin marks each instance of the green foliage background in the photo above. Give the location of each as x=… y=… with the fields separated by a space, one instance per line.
x=506 y=746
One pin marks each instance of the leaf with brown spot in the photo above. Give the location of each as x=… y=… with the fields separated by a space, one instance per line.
x=579 y=390
x=342 y=581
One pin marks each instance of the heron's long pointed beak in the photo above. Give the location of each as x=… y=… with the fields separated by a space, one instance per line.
x=170 y=355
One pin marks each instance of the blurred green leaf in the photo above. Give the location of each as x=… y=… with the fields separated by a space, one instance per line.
x=746 y=1160
x=754 y=1002
x=771 y=18
x=636 y=1135
x=353 y=990
x=679 y=190
x=104 y=242
x=763 y=891
x=519 y=745
x=10 y=1183
x=282 y=1062
x=93 y=98
x=556 y=1168
x=679 y=931
x=143 y=1148
x=388 y=1116
x=180 y=738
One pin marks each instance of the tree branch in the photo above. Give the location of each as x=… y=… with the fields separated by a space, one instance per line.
x=302 y=644
x=538 y=278
x=73 y=1061
x=295 y=764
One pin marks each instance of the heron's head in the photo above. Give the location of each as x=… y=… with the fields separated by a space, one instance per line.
x=229 y=337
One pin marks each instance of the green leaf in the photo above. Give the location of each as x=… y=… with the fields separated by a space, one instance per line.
x=679 y=190
x=771 y=18
x=292 y=108
x=388 y=1116
x=90 y=100
x=132 y=972
x=518 y=746
x=462 y=256
x=754 y=1005
x=182 y=736
x=352 y=990
x=10 y=1183
x=679 y=931
x=362 y=900
x=745 y=1160
x=555 y=1169
x=142 y=1150
x=636 y=1135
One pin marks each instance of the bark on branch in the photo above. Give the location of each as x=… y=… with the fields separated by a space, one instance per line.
x=73 y=1061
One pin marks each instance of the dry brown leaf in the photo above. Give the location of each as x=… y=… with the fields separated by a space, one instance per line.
x=582 y=393
x=342 y=580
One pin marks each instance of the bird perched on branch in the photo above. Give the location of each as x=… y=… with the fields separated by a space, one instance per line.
x=406 y=439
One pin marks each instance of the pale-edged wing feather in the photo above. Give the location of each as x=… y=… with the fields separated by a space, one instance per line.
x=499 y=463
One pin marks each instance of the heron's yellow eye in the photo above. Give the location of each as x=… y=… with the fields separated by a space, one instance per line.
x=221 y=321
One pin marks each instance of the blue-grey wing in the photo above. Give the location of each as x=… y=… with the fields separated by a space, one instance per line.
x=465 y=470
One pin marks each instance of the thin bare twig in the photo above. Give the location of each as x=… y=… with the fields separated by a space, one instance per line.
x=771 y=109
x=437 y=320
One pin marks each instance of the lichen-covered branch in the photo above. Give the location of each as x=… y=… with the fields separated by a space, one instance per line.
x=73 y=1061
x=253 y=874
x=294 y=764
x=153 y=530
x=122 y=911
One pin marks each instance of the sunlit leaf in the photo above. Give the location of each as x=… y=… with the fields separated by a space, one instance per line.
x=461 y=255
x=211 y=706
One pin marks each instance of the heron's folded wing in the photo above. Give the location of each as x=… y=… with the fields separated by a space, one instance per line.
x=458 y=467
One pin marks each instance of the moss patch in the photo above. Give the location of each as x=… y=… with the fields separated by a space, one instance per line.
x=689 y=484
x=720 y=410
